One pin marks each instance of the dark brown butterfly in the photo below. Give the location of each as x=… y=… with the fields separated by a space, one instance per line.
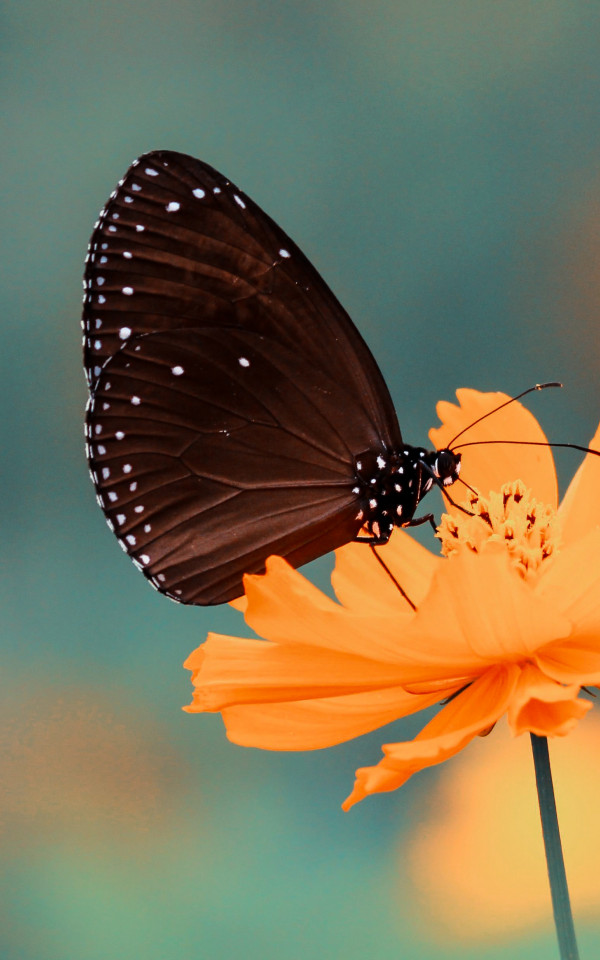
x=235 y=411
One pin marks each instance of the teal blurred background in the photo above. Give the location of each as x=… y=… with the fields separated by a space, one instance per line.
x=439 y=161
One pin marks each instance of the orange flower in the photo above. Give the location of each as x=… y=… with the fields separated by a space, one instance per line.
x=508 y=622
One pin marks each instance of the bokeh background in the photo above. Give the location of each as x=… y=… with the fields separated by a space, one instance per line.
x=439 y=161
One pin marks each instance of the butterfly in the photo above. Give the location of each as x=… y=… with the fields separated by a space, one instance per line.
x=235 y=411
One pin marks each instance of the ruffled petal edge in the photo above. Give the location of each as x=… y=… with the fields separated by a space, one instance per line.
x=473 y=711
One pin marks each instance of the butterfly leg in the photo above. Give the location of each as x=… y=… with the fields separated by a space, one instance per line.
x=416 y=522
x=392 y=578
x=374 y=541
x=445 y=493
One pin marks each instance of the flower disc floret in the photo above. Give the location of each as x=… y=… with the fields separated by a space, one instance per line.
x=530 y=530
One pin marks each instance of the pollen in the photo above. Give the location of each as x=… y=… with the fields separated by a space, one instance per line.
x=529 y=529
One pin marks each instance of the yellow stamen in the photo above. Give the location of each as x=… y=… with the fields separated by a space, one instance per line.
x=529 y=529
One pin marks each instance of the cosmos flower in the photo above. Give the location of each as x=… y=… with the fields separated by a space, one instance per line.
x=507 y=620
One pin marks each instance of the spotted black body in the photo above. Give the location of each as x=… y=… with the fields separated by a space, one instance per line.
x=235 y=411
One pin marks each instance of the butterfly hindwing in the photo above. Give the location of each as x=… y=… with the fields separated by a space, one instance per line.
x=230 y=392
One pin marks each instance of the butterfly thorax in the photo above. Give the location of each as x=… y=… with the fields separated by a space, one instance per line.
x=389 y=486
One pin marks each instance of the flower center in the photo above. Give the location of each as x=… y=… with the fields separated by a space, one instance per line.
x=529 y=529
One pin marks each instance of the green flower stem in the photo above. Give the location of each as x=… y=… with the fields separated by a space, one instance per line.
x=561 y=904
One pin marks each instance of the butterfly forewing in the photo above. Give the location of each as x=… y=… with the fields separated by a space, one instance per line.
x=230 y=392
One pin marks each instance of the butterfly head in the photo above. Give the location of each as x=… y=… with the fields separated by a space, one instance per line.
x=444 y=466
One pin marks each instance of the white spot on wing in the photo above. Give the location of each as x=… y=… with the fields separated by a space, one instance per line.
x=239 y=201
x=199 y=193
x=125 y=332
x=127 y=291
x=243 y=362
x=172 y=206
x=177 y=371
x=136 y=401
x=284 y=253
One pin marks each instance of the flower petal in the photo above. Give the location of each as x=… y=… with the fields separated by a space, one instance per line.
x=479 y=612
x=473 y=711
x=571 y=580
x=314 y=724
x=361 y=584
x=488 y=466
x=240 y=604
x=543 y=706
x=229 y=671
x=580 y=508
x=285 y=607
x=575 y=660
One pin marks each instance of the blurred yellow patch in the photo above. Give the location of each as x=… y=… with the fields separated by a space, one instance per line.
x=477 y=862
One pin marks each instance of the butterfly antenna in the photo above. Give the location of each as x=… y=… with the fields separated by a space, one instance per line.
x=538 y=386
x=392 y=578
x=531 y=443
